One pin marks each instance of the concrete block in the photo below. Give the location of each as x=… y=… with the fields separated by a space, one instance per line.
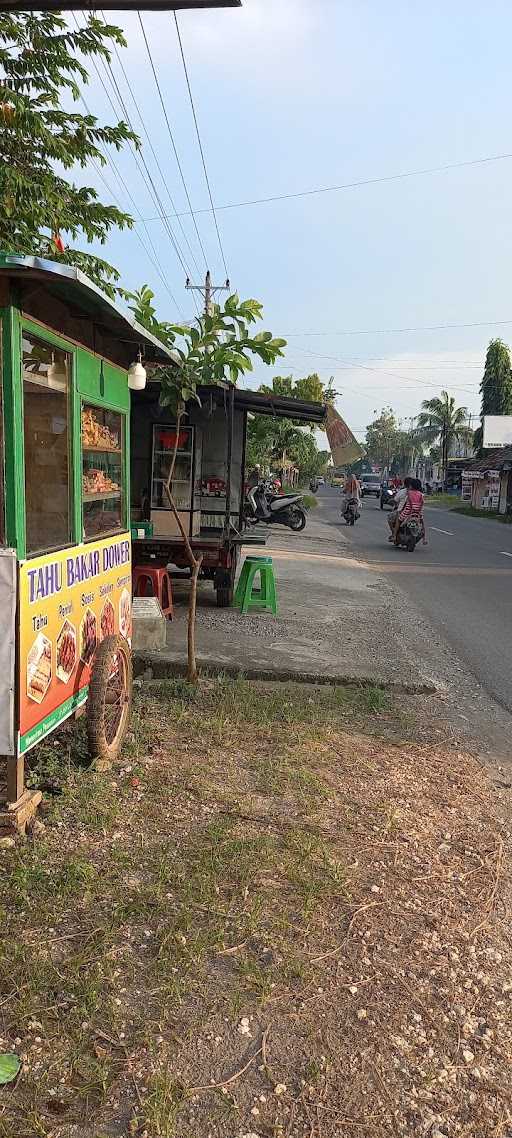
x=149 y=625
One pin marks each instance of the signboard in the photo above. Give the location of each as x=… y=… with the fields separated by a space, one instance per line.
x=68 y=602
x=497 y=431
x=114 y=5
x=344 y=447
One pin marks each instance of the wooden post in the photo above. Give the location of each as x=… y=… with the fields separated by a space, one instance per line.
x=15 y=777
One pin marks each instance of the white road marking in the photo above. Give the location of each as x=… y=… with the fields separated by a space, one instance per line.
x=505 y=554
x=446 y=531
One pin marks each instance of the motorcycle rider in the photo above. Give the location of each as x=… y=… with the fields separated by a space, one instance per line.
x=351 y=493
x=400 y=500
x=407 y=507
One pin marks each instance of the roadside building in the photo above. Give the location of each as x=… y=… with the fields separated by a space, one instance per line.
x=487 y=482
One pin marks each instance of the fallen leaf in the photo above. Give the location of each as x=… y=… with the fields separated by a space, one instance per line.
x=9 y=1067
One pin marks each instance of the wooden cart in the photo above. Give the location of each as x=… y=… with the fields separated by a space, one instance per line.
x=65 y=549
x=208 y=484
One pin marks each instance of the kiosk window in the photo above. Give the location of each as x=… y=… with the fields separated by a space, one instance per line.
x=46 y=377
x=102 y=471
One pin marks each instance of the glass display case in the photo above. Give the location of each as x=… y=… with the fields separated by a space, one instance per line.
x=102 y=471
x=164 y=441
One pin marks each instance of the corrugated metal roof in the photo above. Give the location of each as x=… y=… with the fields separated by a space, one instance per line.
x=66 y=281
x=493 y=460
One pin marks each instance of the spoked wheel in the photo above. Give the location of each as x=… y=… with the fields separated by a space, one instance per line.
x=109 y=700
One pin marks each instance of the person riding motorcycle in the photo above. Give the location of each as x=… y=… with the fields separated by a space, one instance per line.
x=409 y=503
x=351 y=493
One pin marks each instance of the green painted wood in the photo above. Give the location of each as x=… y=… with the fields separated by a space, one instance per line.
x=13 y=431
x=101 y=382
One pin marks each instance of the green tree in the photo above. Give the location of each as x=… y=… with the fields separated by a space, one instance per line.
x=496 y=387
x=39 y=137
x=268 y=438
x=440 y=421
x=215 y=349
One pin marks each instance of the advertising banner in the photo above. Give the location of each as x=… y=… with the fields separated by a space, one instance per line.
x=344 y=447
x=68 y=602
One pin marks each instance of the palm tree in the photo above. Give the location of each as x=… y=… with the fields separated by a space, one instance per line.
x=441 y=421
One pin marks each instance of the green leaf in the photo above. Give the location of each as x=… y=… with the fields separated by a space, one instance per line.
x=9 y=1067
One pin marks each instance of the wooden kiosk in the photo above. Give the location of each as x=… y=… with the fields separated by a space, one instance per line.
x=65 y=550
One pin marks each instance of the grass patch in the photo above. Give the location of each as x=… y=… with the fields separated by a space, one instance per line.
x=220 y=907
x=309 y=501
x=447 y=501
x=472 y=512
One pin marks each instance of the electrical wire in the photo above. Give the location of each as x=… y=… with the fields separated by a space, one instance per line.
x=171 y=136
x=156 y=262
x=389 y=331
x=148 y=181
x=380 y=371
x=356 y=185
x=201 y=151
x=108 y=64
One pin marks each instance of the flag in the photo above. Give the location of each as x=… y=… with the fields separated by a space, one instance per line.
x=344 y=447
x=58 y=242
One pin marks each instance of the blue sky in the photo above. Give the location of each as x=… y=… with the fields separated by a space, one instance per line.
x=297 y=94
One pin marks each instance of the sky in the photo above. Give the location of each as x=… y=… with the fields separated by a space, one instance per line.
x=295 y=95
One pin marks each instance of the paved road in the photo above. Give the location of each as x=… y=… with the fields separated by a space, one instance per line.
x=461 y=582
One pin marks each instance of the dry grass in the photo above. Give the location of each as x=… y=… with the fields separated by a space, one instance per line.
x=274 y=919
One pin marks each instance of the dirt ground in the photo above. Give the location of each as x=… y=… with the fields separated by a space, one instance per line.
x=284 y=914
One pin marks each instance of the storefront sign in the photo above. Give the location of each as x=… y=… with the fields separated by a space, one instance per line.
x=68 y=602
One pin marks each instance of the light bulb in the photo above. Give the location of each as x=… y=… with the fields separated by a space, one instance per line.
x=136 y=376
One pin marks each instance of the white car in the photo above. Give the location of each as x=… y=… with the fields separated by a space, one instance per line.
x=370 y=484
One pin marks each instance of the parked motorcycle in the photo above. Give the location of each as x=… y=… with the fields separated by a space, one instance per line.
x=409 y=534
x=262 y=505
x=351 y=511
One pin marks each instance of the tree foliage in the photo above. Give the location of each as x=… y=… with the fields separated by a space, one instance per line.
x=441 y=421
x=496 y=386
x=39 y=66
x=269 y=437
x=388 y=446
x=215 y=348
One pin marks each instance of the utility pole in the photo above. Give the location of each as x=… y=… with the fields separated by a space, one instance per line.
x=207 y=291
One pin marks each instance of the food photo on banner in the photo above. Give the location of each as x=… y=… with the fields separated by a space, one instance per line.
x=69 y=602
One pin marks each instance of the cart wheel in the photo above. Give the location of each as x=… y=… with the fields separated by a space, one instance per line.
x=109 y=700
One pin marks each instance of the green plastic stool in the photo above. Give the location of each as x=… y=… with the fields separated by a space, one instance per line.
x=246 y=596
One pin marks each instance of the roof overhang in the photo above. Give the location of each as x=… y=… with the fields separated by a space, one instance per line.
x=114 y=5
x=70 y=285
x=279 y=406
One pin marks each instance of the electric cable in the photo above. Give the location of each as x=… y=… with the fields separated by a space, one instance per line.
x=201 y=151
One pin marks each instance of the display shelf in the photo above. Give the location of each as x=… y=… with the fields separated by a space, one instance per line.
x=101 y=497
x=101 y=450
x=179 y=453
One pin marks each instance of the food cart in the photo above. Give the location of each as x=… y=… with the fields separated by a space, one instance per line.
x=65 y=550
x=208 y=483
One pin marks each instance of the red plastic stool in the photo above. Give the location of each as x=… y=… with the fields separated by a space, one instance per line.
x=149 y=581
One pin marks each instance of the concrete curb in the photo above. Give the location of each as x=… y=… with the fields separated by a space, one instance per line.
x=166 y=669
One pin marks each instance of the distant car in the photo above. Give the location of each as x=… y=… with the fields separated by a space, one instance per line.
x=370 y=484
x=321 y=481
x=387 y=495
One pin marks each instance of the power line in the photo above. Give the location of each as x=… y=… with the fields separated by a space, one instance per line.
x=155 y=76
x=116 y=171
x=156 y=264
x=380 y=371
x=146 y=176
x=148 y=180
x=148 y=137
x=356 y=185
x=200 y=144
x=386 y=331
